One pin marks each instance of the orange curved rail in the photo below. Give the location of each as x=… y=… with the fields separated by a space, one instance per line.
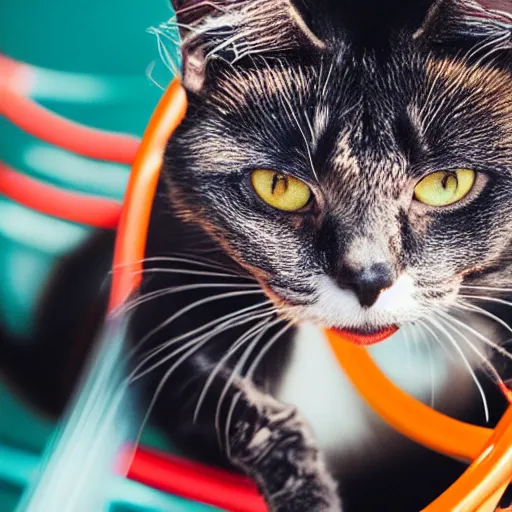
x=131 y=241
x=486 y=479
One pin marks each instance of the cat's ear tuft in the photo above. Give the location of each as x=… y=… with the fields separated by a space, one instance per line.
x=231 y=30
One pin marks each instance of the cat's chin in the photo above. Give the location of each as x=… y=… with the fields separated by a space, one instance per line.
x=366 y=337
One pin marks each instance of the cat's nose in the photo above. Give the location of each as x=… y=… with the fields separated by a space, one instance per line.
x=367 y=283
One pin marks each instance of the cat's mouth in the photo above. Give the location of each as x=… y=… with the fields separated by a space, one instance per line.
x=362 y=336
x=366 y=337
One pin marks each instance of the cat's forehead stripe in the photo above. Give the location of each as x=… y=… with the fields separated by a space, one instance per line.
x=240 y=87
x=344 y=159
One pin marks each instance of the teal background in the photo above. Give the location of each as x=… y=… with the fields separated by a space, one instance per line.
x=92 y=59
x=101 y=41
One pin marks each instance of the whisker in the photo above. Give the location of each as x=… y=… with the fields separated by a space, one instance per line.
x=432 y=380
x=472 y=307
x=287 y=104
x=489 y=366
x=183 y=258
x=219 y=328
x=138 y=301
x=193 y=347
x=439 y=343
x=430 y=367
x=201 y=341
x=411 y=340
x=218 y=367
x=488 y=299
x=465 y=361
x=487 y=288
x=486 y=340
x=236 y=372
x=229 y=419
x=328 y=78
x=188 y=334
x=208 y=261
x=198 y=5
x=435 y=108
x=169 y=61
x=185 y=272
x=268 y=346
x=196 y=304
x=149 y=73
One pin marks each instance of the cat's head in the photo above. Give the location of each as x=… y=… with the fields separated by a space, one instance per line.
x=355 y=156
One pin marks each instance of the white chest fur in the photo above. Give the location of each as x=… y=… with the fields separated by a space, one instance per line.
x=344 y=426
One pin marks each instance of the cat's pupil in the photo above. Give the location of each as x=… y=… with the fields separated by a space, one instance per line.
x=446 y=179
x=279 y=184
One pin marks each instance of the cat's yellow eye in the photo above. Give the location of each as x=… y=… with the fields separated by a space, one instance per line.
x=280 y=190
x=443 y=188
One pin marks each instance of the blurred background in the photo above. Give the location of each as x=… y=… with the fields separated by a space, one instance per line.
x=99 y=63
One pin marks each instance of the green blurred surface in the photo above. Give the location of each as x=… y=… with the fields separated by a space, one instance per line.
x=126 y=495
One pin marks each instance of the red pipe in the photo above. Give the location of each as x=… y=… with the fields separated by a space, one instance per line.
x=195 y=482
x=54 y=129
x=51 y=200
x=15 y=78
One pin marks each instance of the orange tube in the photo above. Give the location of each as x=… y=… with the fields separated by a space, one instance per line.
x=491 y=504
x=133 y=226
x=15 y=76
x=482 y=485
x=406 y=414
x=490 y=472
x=15 y=80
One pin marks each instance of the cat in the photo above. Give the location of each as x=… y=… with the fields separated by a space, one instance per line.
x=341 y=165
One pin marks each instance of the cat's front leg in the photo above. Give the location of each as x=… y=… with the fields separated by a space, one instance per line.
x=272 y=443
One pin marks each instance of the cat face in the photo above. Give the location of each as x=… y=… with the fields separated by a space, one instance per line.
x=360 y=119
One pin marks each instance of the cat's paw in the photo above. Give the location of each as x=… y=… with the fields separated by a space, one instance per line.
x=310 y=495
x=276 y=447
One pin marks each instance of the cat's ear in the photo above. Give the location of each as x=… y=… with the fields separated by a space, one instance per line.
x=370 y=23
x=230 y=30
x=484 y=27
x=364 y=22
